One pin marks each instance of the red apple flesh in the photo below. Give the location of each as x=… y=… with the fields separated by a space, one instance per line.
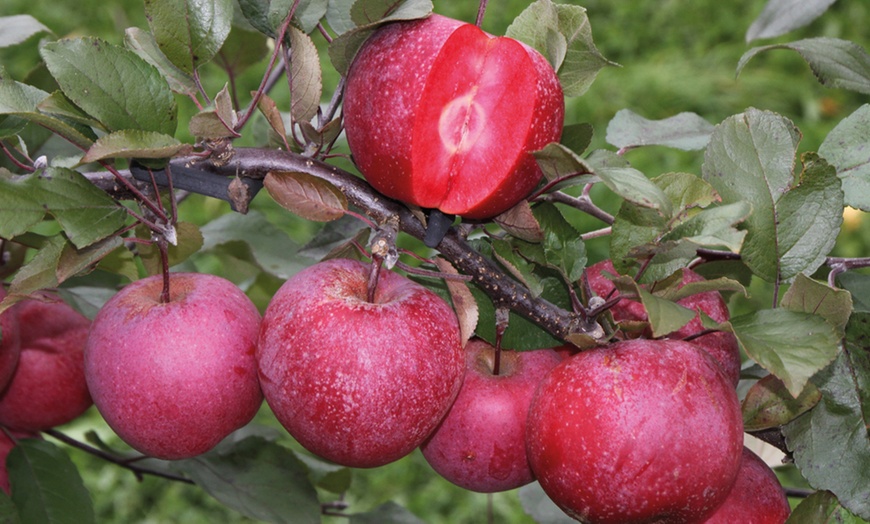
x=356 y=382
x=721 y=345
x=173 y=379
x=440 y=114
x=636 y=432
x=10 y=342
x=48 y=388
x=480 y=444
x=756 y=498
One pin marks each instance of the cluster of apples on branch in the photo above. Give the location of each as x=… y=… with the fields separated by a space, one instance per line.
x=363 y=365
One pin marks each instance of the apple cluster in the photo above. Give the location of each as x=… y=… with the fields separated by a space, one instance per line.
x=42 y=379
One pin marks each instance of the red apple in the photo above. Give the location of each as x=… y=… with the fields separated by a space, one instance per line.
x=756 y=498
x=173 y=379
x=637 y=431
x=356 y=382
x=441 y=115
x=10 y=342
x=721 y=345
x=48 y=388
x=480 y=444
x=8 y=440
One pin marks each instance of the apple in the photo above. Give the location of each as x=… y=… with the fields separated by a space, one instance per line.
x=442 y=115
x=721 y=345
x=10 y=342
x=8 y=440
x=173 y=379
x=48 y=387
x=636 y=431
x=361 y=383
x=480 y=444
x=756 y=497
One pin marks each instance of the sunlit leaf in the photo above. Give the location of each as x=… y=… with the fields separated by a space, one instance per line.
x=16 y=29
x=686 y=131
x=781 y=16
x=189 y=32
x=189 y=242
x=810 y=296
x=792 y=345
x=845 y=148
x=836 y=63
x=133 y=143
x=112 y=84
x=143 y=44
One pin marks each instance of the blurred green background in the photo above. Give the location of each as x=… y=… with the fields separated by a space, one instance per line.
x=675 y=56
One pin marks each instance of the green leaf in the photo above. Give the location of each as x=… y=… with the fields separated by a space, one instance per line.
x=85 y=212
x=781 y=16
x=563 y=248
x=258 y=478
x=768 y=404
x=338 y=16
x=518 y=266
x=791 y=345
x=857 y=342
x=22 y=100
x=267 y=16
x=387 y=513
x=664 y=316
x=540 y=507
x=46 y=486
x=858 y=285
x=189 y=32
x=41 y=271
x=343 y=49
x=17 y=29
x=577 y=137
x=58 y=105
x=132 y=143
x=830 y=443
x=562 y=33
x=809 y=296
x=331 y=477
x=112 y=84
x=793 y=223
x=836 y=63
x=845 y=148
x=630 y=184
x=189 y=242
x=241 y=50
x=558 y=162
x=686 y=131
x=143 y=44
x=268 y=247
x=306 y=76
x=822 y=507
x=8 y=512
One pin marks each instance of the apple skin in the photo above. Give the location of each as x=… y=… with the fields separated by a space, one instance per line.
x=6 y=445
x=441 y=115
x=359 y=383
x=721 y=345
x=173 y=379
x=635 y=432
x=480 y=444
x=48 y=387
x=756 y=498
x=10 y=342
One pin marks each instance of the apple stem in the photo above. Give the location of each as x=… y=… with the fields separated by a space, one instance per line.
x=481 y=9
x=162 y=246
x=374 y=276
x=502 y=318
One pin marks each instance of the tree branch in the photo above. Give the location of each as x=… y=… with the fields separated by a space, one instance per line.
x=256 y=163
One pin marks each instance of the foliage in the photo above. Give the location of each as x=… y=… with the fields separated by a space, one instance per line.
x=90 y=124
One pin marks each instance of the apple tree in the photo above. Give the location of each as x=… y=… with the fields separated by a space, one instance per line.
x=433 y=172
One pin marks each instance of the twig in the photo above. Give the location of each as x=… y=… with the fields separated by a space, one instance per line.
x=126 y=463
